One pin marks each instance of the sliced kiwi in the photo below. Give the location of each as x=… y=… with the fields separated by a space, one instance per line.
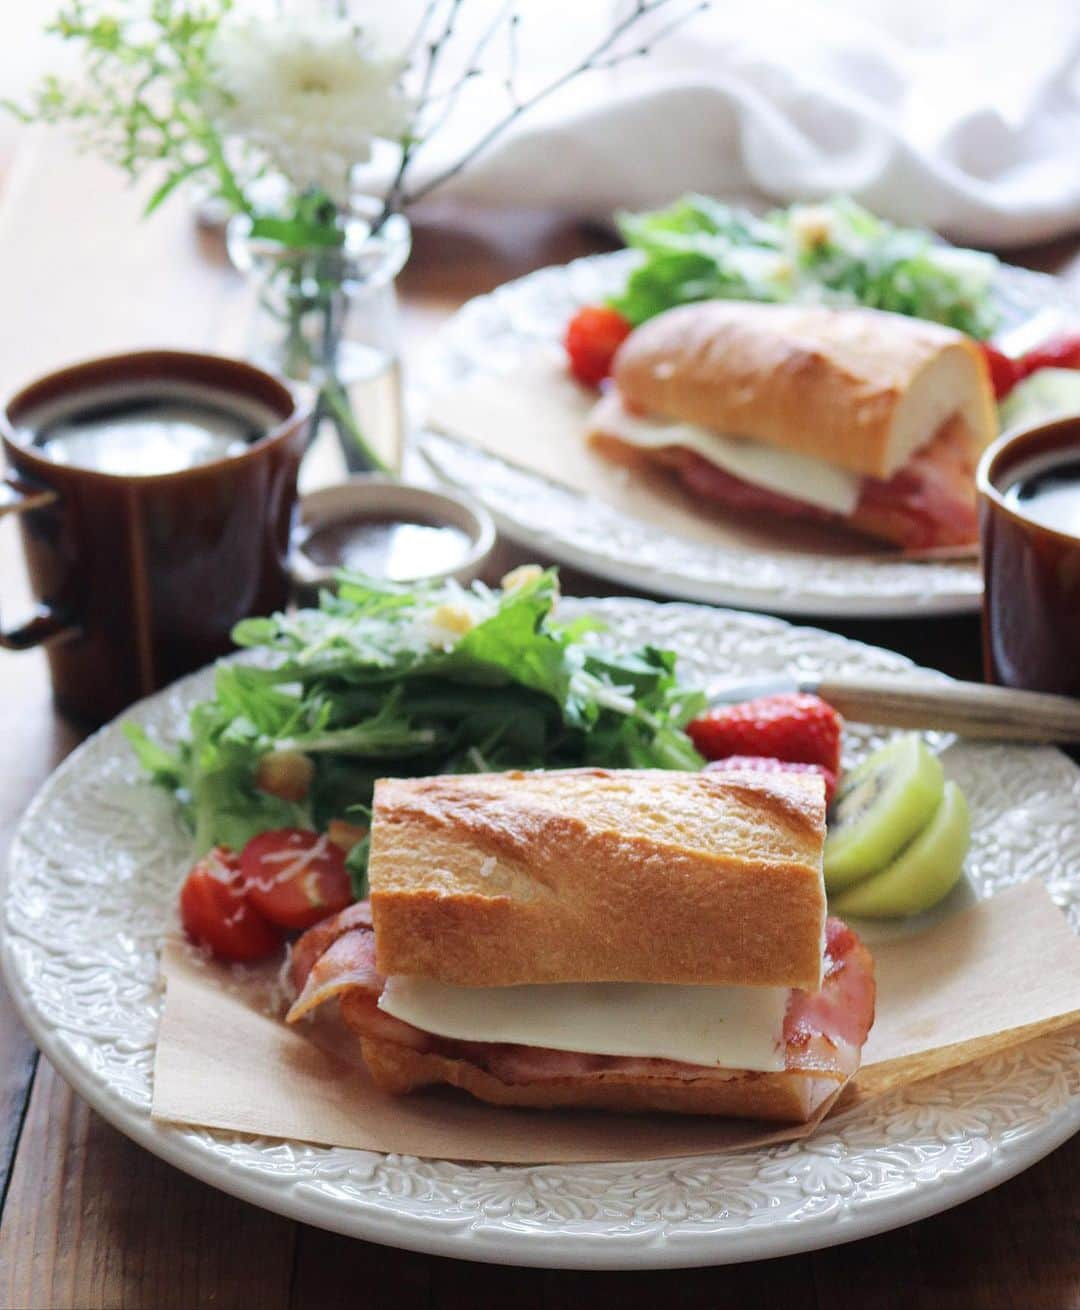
x=924 y=872
x=879 y=807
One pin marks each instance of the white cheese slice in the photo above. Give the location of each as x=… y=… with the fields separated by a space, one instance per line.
x=803 y=477
x=720 y=1027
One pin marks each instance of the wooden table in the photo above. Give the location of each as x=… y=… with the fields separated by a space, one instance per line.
x=88 y=1219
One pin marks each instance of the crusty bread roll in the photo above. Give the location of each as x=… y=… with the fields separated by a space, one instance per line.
x=788 y=1097
x=860 y=388
x=588 y=875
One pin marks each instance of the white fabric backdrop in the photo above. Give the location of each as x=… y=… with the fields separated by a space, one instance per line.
x=963 y=115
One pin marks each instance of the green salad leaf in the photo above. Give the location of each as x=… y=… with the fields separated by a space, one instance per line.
x=832 y=253
x=385 y=679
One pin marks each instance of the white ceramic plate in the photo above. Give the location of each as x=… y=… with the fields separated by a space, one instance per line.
x=492 y=331
x=93 y=872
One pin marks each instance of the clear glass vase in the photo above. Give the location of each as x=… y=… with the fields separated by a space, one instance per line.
x=327 y=316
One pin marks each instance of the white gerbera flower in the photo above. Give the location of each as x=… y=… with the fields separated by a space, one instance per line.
x=312 y=94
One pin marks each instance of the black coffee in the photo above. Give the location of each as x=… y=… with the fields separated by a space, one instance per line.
x=138 y=431
x=1050 y=495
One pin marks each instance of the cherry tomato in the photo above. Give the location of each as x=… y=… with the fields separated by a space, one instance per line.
x=1004 y=372
x=217 y=914
x=1058 y=352
x=592 y=338
x=295 y=877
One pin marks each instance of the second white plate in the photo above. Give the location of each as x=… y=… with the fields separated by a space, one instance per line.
x=493 y=331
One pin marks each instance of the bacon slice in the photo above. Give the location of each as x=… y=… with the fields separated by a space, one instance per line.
x=349 y=963
x=930 y=502
x=317 y=940
x=826 y=1030
x=337 y=958
x=823 y=1032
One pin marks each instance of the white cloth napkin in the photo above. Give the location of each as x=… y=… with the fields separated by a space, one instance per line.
x=961 y=115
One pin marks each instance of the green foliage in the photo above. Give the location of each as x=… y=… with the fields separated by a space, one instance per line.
x=835 y=253
x=312 y=224
x=146 y=98
x=356 y=862
x=379 y=681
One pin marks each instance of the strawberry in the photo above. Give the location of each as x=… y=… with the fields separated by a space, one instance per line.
x=793 y=726
x=592 y=338
x=765 y=764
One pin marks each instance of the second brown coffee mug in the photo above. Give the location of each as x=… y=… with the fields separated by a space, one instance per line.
x=140 y=577
x=1031 y=569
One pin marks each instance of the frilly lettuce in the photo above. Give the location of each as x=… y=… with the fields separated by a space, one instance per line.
x=384 y=679
x=833 y=253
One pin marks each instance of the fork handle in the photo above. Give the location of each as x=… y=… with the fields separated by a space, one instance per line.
x=971 y=709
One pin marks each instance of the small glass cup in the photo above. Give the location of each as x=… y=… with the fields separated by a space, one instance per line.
x=1031 y=572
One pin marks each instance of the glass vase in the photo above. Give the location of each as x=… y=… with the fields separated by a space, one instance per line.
x=327 y=316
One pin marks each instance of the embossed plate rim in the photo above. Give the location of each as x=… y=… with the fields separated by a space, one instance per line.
x=666 y=1213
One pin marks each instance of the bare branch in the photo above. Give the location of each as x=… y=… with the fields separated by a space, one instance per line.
x=662 y=33
x=473 y=67
x=605 y=54
x=418 y=36
x=512 y=59
x=639 y=52
x=434 y=49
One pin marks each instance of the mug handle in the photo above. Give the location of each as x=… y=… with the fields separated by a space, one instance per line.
x=46 y=627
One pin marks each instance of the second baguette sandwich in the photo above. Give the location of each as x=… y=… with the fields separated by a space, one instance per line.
x=865 y=417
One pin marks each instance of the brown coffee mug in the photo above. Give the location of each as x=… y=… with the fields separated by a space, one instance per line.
x=1031 y=572
x=140 y=578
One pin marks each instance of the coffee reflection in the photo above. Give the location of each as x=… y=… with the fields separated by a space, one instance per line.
x=140 y=430
x=1049 y=493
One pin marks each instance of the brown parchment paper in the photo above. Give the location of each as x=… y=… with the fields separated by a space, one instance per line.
x=223 y=1062
x=1003 y=971
x=534 y=417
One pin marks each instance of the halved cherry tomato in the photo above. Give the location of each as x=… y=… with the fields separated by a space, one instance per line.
x=217 y=914
x=295 y=877
x=1004 y=370
x=592 y=338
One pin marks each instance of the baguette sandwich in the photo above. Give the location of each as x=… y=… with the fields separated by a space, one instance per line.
x=857 y=416
x=621 y=940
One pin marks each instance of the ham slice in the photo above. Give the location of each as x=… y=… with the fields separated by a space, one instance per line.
x=823 y=1032
x=928 y=503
